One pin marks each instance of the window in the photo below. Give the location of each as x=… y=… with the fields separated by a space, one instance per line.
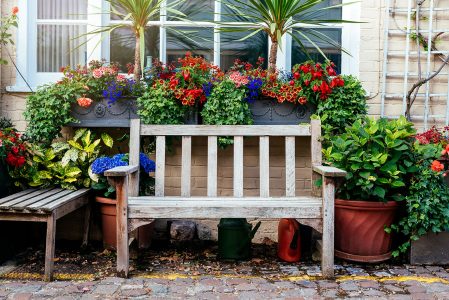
x=51 y=34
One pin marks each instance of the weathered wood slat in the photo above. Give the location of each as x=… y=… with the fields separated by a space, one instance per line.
x=121 y=171
x=238 y=166
x=134 y=152
x=290 y=166
x=212 y=166
x=38 y=204
x=186 y=165
x=315 y=145
x=264 y=166
x=328 y=215
x=223 y=200
x=217 y=209
x=16 y=195
x=329 y=171
x=160 y=166
x=43 y=198
x=34 y=194
x=61 y=201
x=225 y=130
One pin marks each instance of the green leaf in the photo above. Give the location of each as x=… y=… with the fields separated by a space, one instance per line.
x=79 y=133
x=72 y=172
x=379 y=192
x=70 y=155
x=107 y=140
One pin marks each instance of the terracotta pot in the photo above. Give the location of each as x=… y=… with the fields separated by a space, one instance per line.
x=108 y=226
x=108 y=221
x=359 y=230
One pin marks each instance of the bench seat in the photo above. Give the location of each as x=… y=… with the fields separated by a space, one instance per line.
x=224 y=207
x=45 y=205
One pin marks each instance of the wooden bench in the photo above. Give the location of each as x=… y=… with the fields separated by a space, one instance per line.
x=133 y=211
x=45 y=205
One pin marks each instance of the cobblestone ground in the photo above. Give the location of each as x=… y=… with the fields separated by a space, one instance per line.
x=295 y=282
x=194 y=272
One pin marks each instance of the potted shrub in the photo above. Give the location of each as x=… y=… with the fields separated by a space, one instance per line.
x=378 y=156
x=106 y=193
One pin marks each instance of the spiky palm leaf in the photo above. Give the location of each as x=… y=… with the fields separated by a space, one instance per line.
x=280 y=17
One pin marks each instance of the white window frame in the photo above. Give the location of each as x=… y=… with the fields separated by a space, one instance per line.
x=98 y=47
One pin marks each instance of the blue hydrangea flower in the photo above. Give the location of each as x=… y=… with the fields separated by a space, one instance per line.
x=100 y=165
x=146 y=163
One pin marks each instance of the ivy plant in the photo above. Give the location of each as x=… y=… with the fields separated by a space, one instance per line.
x=48 y=110
x=378 y=156
x=427 y=203
x=159 y=106
x=226 y=106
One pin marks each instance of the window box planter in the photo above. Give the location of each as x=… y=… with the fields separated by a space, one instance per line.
x=101 y=114
x=119 y=114
x=268 y=111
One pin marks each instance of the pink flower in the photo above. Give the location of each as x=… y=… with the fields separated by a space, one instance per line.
x=84 y=102
x=121 y=77
x=97 y=73
x=238 y=79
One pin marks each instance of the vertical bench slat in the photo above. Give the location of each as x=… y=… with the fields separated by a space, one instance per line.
x=238 y=166
x=315 y=145
x=186 y=165
x=160 y=166
x=212 y=166
x=264 y=166
x=134 y=151
x=290 y=165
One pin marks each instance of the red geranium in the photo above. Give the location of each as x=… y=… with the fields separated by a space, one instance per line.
x=13 y=150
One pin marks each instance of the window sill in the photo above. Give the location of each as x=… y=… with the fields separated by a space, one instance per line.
x=19 y=89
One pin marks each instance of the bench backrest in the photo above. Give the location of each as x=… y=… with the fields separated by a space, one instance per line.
x=264 y=132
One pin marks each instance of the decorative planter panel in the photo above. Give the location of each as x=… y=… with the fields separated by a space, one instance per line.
x=267 y=111
x=101 y=114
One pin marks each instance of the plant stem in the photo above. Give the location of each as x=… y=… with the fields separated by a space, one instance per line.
x=137 y=59
x=273 y=57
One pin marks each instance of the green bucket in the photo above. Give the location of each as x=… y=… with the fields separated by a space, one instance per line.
x=234 y=239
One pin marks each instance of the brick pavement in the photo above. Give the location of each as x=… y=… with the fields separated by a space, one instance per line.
x=293 y=282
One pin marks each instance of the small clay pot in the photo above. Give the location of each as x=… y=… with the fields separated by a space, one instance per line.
x=360 y=230
x=108 y=221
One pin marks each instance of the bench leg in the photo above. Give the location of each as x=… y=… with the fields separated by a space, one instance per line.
x=50 y=248
x=327 y=260
x=87 y=218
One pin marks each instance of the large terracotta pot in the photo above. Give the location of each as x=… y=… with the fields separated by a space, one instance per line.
x=109 y=222
x=359 y=230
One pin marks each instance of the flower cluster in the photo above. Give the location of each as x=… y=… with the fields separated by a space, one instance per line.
x=13 y=149
x=84 y=102
x=104 y=163
x=434 y=136
x=437 y=166
x=254 y=87
x=97 y=80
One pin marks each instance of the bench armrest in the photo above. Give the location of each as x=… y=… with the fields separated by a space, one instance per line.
x=327 y=171
x=121 y=171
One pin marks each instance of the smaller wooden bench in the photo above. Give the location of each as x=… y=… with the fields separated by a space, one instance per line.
x=316 y=210
x=45 y=205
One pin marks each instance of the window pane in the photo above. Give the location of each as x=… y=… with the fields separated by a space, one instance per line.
x=328 y=14
x=123 y=44
x=62 y=9
x=334 y=54
x=199 y=41
x=195 y=10
x=59 y=45
x=248 y=50
x=123 y=12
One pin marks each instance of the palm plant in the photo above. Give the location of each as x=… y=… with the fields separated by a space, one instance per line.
x=280 y=17
x=135 y=15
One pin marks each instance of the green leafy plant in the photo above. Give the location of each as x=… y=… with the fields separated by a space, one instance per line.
x=226 y=106
x=159 y=106
x=427 y=203
x=64 y=164
x=378 y=156
x=342 y=108
x=280 y=17
x=5 y=123
x=48 y=110
x=5 y=30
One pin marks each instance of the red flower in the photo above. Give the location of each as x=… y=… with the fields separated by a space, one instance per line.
x=186 y=74
x=315 y=88
x=292 y=82
x=331 y=71
x=15 y=10
x=302 y=100
x=437 y=166
x=84 y=102
x=306 y=82
x=15 y=149
x=296 y=75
